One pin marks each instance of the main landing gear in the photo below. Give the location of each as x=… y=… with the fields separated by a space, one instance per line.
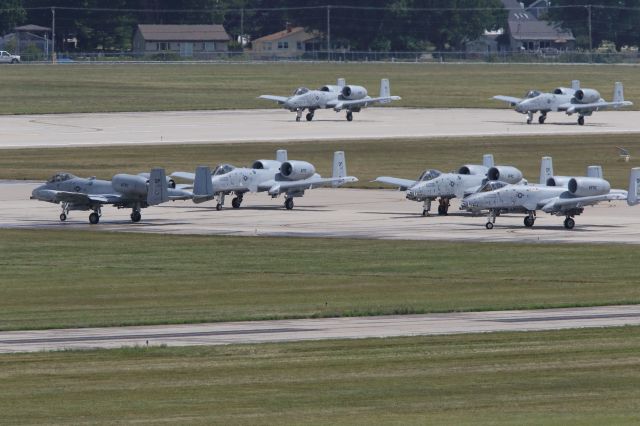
x=569 y=223
x=94 y=217
x=542 y=118
x=136 y=216
x=288 y=203
x=530 y=219
x=237 y=200
x=309 y=116
x=581 y=120
x=443 y=207
x=349 y=116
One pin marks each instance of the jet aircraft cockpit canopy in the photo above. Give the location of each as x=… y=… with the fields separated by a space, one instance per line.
x=429 y=174
x=60 y=177
x=300 y=91
x=532 y=94
x=222 y=169
x=492 y=185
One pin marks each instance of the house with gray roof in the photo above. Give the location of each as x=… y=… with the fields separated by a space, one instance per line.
x=202 y=41
x=527 y=33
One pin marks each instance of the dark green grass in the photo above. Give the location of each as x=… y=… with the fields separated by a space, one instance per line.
x=365 y=159
x=99 y=88
x=587 y=377
x=54 y=279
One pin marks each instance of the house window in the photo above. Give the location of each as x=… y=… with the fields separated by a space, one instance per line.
x=299 y=46
x=283 y=45
x=210 y=46
x=162 y=46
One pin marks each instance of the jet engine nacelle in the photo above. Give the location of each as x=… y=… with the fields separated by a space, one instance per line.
x=558 y=181
x=508 y=174
x=473 y=169
x=266 y=164
x=130 y=184
x=354 y=92
x=331 y=88
x=297 y=170
x=587 y=96
x=586 y=187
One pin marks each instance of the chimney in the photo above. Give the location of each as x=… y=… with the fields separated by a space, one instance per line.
x=288 y=27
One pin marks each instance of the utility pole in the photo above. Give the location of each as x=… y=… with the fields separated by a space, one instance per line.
x=590 y=35
x=328 y=33
x=53 y=35
x=241 y=26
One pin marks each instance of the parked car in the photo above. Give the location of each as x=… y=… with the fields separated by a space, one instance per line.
x=8 y=58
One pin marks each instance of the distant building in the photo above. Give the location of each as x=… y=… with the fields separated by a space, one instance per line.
x=527 y=33
x=201 y=41
x=292 y=42
x=28 y=40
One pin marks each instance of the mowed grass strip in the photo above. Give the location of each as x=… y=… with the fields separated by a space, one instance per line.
x=366 y=159
x=160 y=87
x=587 y=377
x=56 y=279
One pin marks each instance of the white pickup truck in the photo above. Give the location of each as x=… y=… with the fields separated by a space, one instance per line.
x=8 y=58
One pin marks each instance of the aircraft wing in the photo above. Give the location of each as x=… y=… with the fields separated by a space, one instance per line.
x=184 y=175
x=280 y=186
x=595 y=106
x=278 y=99
x=578 y=202
x=341 y=104
x=79 y=198
x=509 y=99
x=403 y=184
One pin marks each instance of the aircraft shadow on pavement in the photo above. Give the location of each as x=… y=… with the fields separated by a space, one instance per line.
x=257 y=208
x=548 y=123
x=557 y=227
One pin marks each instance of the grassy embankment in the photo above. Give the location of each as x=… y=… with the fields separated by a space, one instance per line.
x=365 y=159
x=99 y=88
x=587 y=377
x=54 y=279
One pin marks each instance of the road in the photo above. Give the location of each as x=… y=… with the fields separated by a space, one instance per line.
x=188 y=127
x=318 y=329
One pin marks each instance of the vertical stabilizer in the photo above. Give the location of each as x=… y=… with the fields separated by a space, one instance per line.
x=342 y=82
x=546 y=170
x=385 y=90
x=158 y=191
x=595 y=172
x=202 y=185
x=339 y=166
x=281 y=155
x=618 y=92
x=487 y=160
x=575 y=84
x=634 y=185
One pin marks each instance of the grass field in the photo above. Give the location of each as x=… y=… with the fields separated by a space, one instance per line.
x=587 y=377
x=54 y=279
x=365 y=159
x=98 y=88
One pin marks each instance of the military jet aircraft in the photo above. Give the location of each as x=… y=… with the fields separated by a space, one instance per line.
x=277 y=177
x=123 y=191
x=432 y=184
x=339 y=97
x=572 y=100
x=567 y=199
x=634 y=187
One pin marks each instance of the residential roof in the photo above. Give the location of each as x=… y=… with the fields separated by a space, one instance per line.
x=32 y=28
x=286 y=33
x=523 y=25
x=183 y=32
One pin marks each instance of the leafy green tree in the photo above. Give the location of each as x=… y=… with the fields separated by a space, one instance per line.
x=12 y=14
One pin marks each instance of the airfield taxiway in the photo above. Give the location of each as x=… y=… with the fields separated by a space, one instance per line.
x=326 y=212
x=277 y=125
x=317 y=329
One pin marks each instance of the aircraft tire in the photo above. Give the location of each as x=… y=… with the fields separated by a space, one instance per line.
x=218 y=207
x=489 y=225
x=235 y=203
x=288 y=203
x=528 y=222
x=541 y=119
x=581 y=121
x=425 y=212
x=297 y=118
x=135 y=217
x=349 y=116
x=528 y=121
x=569 y=223
x=309 y=116
x=94 y=218
x=63 y=217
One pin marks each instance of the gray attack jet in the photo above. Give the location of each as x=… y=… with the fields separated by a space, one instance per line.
x=124 y=191
x=433 y=184
x=572 y=100
x=280 y=176
x=560 y=196
x=340 y=97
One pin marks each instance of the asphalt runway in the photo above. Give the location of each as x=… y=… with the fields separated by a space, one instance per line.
x=278 y=125
x=325 y=212
x=318 y=329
